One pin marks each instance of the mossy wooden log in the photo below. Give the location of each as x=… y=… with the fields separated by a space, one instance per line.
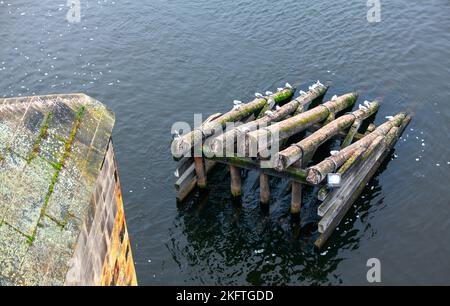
x=261 y=139
x=351 y=134
x=183 y=144
x=344 y=197
x=225 y=143
x=317 y=173
x=292 y=173
x=307 y=146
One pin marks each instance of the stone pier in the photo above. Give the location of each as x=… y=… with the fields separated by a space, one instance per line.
x=62 y=220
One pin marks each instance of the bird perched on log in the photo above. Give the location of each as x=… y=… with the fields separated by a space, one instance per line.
x=333 y=152
x=288 y=85
x=362 y=107
x=302 y=93
x=389 y=117
x=268 y=93
x=269 y=113
x=258 y=95
x=237 y=104
x=367 y=104
x=334 y=98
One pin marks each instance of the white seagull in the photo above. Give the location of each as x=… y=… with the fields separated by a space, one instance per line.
x=301 y=92
x=367 y=104
x=362 y=107
x=333 y=97
x=268 y=93
x=258 y=95
x=389 y=117
x=269 y=113
x=333 y=153
x=288 y=85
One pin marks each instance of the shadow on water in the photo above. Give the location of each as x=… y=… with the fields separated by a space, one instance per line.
x=219 y=234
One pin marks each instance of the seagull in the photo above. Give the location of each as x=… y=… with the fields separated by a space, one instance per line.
x=177 y=134
x=277 y=107
x=236 y=106
x=333 y=153
x=288 y=85
x=176 y=173
x=389 y=117
x=362 y=107
x=334 y=98
x=367 y=104
x=318 y=83
x=269 y=113
x=237 y=102
x=280 y=89
x=301 y=92
x=268 y=93
x=258 y=95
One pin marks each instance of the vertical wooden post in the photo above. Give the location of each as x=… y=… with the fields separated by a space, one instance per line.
x=235 y=173
x=200 y=172
x=264 y=188
x=296 y=199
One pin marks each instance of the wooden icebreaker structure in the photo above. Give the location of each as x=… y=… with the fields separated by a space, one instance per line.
x=274 y=119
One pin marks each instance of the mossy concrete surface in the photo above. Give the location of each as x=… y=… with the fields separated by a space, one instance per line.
x=51 y=151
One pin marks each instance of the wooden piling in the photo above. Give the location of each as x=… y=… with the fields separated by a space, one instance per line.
x=235 y=174
x=200 y=172
x=264 y=188
x=317 y=173
x=182 y=145
x=225 y=142
x=261 y=138
x=305 y=147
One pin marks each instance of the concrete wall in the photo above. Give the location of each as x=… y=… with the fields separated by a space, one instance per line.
x=103 y=252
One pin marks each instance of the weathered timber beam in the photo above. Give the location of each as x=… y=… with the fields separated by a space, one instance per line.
x=294 y=174
x=348 y=165
x=305 y=147
x=183 y=144
x=317 y=173
x=373 y=162
x=225 y=143
x=261 y=139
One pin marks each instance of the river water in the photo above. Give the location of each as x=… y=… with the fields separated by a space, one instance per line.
x=160 y=61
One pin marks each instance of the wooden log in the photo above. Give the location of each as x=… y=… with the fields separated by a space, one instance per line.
x=235 y=174
x=296 y=196
x=296 y=200
x=225 y=143
x=200 y=172
x=188 y=180
x=264 y=188
x=317 y=173
x=261 y=139
x=344 y=198
x=344 y=171
x=292 y=173
x=351 y=134
x=305 y=147
x=182 y=146
x=325 y=190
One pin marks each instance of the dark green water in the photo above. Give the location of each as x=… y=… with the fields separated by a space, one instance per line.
x=156 y=62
